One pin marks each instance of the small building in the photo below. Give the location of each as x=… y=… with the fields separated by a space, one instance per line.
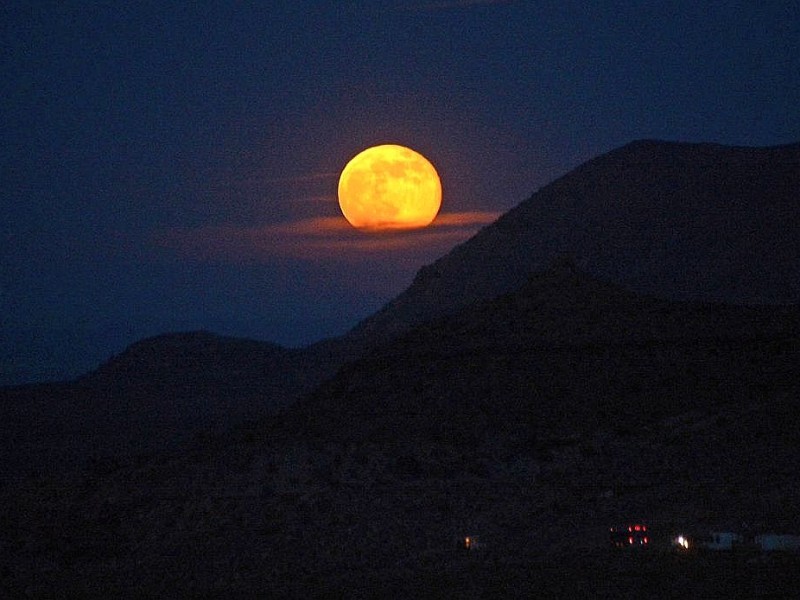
x=778 y=542
x=720 y=540
x=729 y=541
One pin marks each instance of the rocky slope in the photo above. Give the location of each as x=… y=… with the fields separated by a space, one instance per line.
x=531 y=421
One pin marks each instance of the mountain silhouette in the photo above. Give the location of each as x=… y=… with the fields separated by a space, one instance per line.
x=152 y=396
x=681 y=221
x=531 y=421
x=623 y=344
x=677 y=220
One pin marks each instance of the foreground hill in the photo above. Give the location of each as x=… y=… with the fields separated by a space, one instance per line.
x=531 y=421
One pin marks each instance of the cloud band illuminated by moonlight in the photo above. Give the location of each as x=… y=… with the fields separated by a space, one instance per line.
x=317 y=239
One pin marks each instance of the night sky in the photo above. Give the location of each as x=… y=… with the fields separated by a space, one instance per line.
x=173 y=166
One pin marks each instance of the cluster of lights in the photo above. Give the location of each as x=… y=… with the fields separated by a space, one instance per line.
x=682 y=541
x=632 y=540
x=637 y=529
x=636 y=536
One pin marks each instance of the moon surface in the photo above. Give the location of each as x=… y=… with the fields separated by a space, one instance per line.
x=389 y=187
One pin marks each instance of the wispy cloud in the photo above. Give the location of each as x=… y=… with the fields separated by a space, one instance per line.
x=315 y=239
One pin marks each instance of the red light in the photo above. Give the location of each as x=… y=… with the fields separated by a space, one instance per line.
x=645 y=540
x=644 y=528
x=630 y=528
x=638 y=527
x=630 y=540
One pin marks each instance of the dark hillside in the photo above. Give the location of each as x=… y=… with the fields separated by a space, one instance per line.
x=566 y=353
x=690 y=221
x=532 y=422
x=527 y=405
x=681 y=221
x=149 y=398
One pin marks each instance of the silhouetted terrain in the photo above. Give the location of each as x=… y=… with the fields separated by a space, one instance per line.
x=566 y=351
x=531 y=421
x=685 y=221
x=150 y=398
x=530 y=407
x=680 y=221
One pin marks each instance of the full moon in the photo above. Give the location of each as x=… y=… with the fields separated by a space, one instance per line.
x=389 y=187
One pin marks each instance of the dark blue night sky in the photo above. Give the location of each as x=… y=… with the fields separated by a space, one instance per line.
x=173 y=166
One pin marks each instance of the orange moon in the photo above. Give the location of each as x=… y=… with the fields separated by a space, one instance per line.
x=389 y=187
